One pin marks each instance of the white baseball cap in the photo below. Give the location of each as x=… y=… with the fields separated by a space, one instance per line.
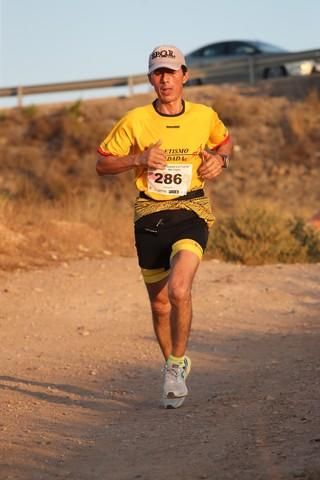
x=166 y=56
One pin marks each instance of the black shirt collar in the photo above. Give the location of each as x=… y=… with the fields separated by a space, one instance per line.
x=168 y=114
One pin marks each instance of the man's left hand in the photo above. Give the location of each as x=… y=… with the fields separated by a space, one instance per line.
x=211 y=166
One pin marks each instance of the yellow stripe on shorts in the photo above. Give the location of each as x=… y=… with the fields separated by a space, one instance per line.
x=153 y=275
x=187 y=244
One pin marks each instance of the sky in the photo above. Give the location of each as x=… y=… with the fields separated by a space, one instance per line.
x=47 y=41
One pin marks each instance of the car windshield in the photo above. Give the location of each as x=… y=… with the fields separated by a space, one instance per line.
x=267 y=48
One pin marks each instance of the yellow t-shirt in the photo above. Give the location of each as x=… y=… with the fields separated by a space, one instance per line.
x=182 y=136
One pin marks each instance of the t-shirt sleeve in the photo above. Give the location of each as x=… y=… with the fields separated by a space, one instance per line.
x=218 y=132
x=120 y=140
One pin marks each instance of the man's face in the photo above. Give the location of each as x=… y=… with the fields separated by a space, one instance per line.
x=168 y=84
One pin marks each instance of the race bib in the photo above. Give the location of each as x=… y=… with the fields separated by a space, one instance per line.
x=174 y=180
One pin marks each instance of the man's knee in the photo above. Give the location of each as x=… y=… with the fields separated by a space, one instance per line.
x=179 y=292
x=160 y=306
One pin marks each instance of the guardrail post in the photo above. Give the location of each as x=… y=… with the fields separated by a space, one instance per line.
x=20 y=96
x=251 y=70
x=130 y=85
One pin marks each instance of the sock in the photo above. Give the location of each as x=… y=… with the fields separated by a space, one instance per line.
x=172 y=360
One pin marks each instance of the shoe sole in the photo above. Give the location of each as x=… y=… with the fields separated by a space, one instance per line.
x=173 y=402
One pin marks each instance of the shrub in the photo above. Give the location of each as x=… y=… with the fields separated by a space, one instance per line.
x=308 y=237
x=75 y=109
x=30 y=111
x=258 y=236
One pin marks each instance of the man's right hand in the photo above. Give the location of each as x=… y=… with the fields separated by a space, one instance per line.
x=152 y=157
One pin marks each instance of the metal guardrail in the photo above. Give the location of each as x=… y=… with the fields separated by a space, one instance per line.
x=217 y=70
x=20 y=91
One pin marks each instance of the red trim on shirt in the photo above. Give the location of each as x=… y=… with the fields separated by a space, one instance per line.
x=223 y=142
x=104 y=154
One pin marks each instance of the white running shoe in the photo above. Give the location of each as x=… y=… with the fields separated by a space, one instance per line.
x=174 y=388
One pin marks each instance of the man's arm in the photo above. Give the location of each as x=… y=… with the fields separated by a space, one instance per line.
x=108 y=164
x=152 y=157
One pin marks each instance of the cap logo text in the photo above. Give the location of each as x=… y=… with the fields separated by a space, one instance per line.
x=163 y=54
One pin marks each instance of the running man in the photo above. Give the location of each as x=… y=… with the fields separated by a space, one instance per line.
x=174 y=146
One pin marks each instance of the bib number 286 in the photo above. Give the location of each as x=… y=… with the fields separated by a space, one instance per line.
x=173 y=180
x=168 y=178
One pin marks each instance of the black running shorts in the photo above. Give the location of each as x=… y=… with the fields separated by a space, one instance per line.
x=160 y=235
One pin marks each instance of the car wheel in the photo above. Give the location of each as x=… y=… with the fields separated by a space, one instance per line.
x=275 y=72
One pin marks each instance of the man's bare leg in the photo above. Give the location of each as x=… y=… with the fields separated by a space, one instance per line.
x=183 y=269
x=161 y=312
x=172 y=313
x=171 y=304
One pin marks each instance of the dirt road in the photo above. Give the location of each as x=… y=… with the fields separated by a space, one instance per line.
x=81 y=376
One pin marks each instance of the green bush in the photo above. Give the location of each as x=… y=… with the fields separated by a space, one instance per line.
x=258 y=236
x=75 y=109
x=30 y=111
x=308 y=237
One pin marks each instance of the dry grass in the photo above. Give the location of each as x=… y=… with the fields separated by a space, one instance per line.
x=71 y=228
x=56 y=207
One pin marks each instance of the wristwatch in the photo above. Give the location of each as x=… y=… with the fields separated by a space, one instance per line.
x=225 y=159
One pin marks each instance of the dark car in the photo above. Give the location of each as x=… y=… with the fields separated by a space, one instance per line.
x=230 y=61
